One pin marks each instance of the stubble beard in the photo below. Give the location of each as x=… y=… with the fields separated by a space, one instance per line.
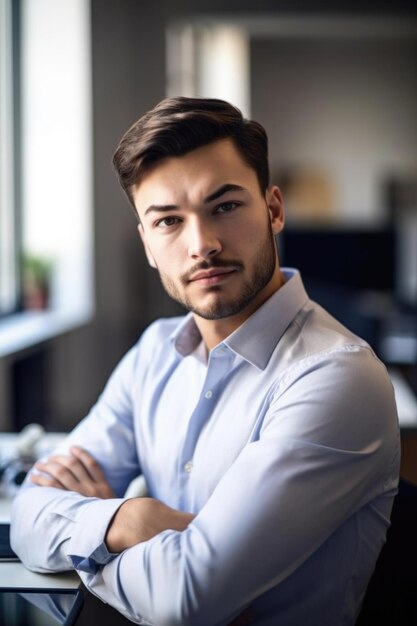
x=222 y=306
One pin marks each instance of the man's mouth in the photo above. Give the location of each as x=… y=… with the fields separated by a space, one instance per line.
x=212 y=276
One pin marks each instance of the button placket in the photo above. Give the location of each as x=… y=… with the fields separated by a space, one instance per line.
x=219 y=365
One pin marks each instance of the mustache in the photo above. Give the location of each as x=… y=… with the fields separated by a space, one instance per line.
x=208 y=265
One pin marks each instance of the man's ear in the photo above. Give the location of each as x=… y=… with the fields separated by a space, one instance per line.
x=275 y=205
x=148 y=253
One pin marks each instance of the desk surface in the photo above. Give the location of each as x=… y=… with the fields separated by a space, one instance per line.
x=14 y=574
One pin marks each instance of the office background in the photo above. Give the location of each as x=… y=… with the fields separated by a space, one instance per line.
x=339 y=108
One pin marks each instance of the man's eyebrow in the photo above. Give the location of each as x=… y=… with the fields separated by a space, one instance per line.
x=222 y=190
x=160 y=208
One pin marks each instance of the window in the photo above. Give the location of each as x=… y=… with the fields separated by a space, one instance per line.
x=210 y=61
x=51 y=244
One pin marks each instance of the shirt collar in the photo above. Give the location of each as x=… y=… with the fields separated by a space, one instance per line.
x=256 y=339
x=186 y=336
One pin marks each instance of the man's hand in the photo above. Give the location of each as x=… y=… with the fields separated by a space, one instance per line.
x=78 y=472
x=140 y=519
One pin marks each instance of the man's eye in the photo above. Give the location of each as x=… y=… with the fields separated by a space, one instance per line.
x=226 y=207
x=167 y=222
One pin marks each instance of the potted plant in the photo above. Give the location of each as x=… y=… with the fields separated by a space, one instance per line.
x=36 y=282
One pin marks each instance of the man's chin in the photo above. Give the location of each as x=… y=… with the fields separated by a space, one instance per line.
x=219 y=310
x=212 y=315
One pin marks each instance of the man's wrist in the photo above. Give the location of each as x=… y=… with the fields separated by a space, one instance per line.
x=114 y=536
x=141 y=519
x=87 y=541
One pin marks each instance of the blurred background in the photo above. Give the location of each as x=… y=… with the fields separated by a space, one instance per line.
x=337 y=93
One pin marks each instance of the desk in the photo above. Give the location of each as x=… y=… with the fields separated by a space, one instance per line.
x=13 y=573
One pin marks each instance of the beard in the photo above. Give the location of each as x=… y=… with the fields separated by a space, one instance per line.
x=224 y=305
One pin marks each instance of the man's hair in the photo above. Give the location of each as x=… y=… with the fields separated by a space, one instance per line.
x=178 y=125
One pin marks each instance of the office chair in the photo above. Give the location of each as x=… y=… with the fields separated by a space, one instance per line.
x=391 y=596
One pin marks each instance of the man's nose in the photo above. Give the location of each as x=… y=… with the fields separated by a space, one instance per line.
x=203 y=241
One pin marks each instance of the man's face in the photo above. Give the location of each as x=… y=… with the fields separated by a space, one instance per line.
x=209 y=230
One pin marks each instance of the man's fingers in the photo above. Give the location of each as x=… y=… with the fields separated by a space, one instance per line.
x=45 y=481
x=98 y=487
x=89 y=463
x=54 y=476
x=78 y=472
x=69 y=464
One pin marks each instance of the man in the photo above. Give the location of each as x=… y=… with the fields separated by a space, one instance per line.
x=266 y=431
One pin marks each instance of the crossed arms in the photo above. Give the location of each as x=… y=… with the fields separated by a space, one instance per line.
x=136 y=520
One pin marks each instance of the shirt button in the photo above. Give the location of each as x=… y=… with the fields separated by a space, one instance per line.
x=188 y=467
x=208 y=394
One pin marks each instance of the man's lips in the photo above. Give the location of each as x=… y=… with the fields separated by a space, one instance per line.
x=213 y=275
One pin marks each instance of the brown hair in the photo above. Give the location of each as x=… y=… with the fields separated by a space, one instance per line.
x=178 y=125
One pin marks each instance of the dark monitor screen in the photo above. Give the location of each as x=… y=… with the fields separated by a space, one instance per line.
x=339 y=266
x=354 y=259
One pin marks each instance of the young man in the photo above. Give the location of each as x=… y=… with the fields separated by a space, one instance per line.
x=266 y=431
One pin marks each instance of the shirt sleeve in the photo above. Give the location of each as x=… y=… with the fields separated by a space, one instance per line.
x=67 y=529
x=327 y=447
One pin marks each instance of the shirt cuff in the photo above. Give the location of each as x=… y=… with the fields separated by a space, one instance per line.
x=86 y=548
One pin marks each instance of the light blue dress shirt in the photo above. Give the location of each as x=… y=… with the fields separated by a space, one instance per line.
x=284 y=442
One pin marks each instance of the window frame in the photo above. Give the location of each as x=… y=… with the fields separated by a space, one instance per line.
x=10 y=279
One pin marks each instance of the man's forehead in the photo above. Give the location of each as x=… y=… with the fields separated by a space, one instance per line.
x=195 y=175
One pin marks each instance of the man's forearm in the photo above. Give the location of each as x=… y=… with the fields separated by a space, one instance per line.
x=45 y=520
x=63 y=520
x=78 y=474
x=140 y=519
